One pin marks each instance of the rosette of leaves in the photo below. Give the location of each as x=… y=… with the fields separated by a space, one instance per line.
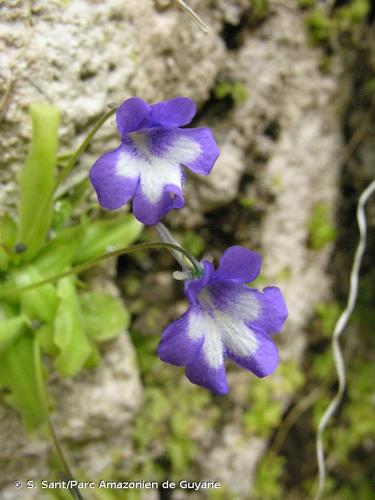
x=57 y=319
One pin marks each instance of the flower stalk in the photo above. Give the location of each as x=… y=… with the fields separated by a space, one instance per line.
x=66 y=472
x=94 y=262
x=187 y=264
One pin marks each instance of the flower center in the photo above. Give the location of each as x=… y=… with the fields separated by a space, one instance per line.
x=140 y=142
x=206 y=300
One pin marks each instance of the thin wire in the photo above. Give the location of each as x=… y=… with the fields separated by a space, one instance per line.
x=338 y=330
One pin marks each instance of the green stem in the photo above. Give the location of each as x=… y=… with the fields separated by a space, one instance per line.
x=44 y=402
x=166 y=237
x=116 y=253
x=75 y=157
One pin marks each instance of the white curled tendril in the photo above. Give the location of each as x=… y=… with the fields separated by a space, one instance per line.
x=338 y=330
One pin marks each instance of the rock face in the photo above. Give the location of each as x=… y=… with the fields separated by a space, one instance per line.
x=82 y=55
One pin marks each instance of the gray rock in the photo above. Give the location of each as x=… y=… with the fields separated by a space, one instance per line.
x=84 y=55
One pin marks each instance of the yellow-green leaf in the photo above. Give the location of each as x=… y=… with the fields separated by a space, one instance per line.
x=104 y=317
x=18 y=375
x=10 y=330
x=103 y=236
x=58 y=254
x=69 y=334
x=36 y=180
x=38 y=303
x=44 y=335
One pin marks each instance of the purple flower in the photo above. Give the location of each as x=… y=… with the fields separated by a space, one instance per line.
x=146 y=167
x=226 y=319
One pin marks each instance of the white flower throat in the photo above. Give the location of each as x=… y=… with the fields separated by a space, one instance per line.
x=224 y=328
x=157 y=171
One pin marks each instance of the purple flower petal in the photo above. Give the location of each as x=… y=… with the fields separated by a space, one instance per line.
x=235 y=300
x=230 y=307
x=208 y=149
x=168 y=145
x=200 y=372
x=153 y=151
x=158 y=154
x=239 y=264
x=274 y=311
x=173 y=113
x=114 y=179
x=208 y=369
x=265 y=357
x=235 y=321
x=133 y=114
x=151 y=210
x=181 y=340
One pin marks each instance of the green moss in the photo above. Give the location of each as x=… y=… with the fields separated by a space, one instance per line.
x=306 y=4
x=327 y=315
x=284 y=274
x=321 y=231
x=263 y=416
x=166 y=420
x=319 y=26
x=131 y=285
x=223 y=493
x=171 y=410
x=133 y=56
x=247 y=202
x=259 y=10
x=353 y=13
x=369 y=87
x=326 y=26
x=277 y=182
x=236 y=90
x=268 y=478
x=265 y=407
x=355 y=432
x=322 y=365
x=325 y=64
x=291 y=378
x=364 y=314
x=260 y=282
x=194 y=243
